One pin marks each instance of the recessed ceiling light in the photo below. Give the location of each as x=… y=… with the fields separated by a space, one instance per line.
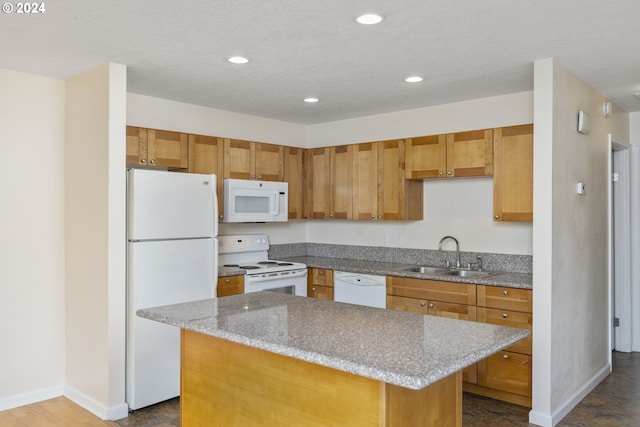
x=413 y=79
x=238 y=60
x=311 y=100
x=369 y=19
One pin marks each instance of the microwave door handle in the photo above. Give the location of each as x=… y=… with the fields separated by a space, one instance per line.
x=276 y=207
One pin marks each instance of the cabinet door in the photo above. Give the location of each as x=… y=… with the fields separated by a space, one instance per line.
x=426 y=157
x=513 y=319
x=398 y=198
x=318 y=182
x=341 y=200
x=206 y=155
x=505 y=298
x=268 y=162
x=232 y=285
x=365 y=181
x=320 y=292
x=238 y=159
x=470 y=153
x=294 y=176
x=513 y=173
x=167 y=149
x=432 y=290
x=320 y=277
x=136 y=146
x=412 y=305
x=506 y=371
x=452 y=311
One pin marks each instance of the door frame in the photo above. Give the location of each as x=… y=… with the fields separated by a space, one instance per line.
x=619 y=243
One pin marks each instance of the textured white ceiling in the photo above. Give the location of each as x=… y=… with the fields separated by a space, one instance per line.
x=465 y=49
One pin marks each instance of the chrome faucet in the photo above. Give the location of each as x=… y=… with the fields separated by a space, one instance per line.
x=457 y=249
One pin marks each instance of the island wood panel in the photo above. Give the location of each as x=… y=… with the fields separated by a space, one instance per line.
x=229 y=384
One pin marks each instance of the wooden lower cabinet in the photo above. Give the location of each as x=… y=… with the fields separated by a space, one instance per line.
x=230 y=285
x=320 y=283
x=506 y=375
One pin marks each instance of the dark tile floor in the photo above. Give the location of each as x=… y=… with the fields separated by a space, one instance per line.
x=614 y=403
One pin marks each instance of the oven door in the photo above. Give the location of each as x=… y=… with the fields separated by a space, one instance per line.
x=289 y=281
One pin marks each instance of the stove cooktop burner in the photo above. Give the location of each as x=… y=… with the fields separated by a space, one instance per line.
x=267 y=262
x=231 y=265
x=249 y=267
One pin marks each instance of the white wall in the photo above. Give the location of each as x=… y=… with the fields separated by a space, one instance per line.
x=634 y=135
x=460 y=207
x=32 y=238
x=95 y=240
x=570 y=278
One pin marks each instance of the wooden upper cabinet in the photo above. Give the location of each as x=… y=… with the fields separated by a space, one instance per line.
x=341 y=200
x=151 y=147
x=330 y=182
x=253 y=160
x=294 y=176
x=426 y=157
x=206 y=155
x=454 y=155
x=398 y=198
x=136 y=146
x=470 y=153
x=318 y=182
x=365 y=181
x=513 y=173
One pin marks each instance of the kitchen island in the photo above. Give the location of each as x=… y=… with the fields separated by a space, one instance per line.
x=272 y=359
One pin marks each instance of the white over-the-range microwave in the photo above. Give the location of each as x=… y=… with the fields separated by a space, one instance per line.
x=255 y=201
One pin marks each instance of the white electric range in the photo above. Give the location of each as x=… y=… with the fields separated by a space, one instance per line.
x=250 y=253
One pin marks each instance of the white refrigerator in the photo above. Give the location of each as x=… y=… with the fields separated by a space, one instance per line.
x=172 y=257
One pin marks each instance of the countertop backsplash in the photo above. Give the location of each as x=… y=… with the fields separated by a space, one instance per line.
x=490 y=261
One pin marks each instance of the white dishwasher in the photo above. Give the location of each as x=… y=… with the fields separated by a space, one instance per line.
x=361 y=289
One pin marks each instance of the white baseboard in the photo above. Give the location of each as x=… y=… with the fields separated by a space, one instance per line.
x=550 y=420
x=28 y=398
x=96 y=408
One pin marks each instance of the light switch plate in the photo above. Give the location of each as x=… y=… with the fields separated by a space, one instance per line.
x=584 y=123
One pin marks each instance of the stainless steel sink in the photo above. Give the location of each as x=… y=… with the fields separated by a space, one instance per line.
x=429 y=269
x=468 y=273
x=450 y=271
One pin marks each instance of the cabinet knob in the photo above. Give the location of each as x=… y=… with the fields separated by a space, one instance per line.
x=431 y=305
x=253 y=177
x=313 y=289
x=143 y=161
x=422 y=303
x=380 y=216
x=505 y=315
x=228 y=281
x=441 y=173
x=505 y=356
x=259 y=176
x=152 y=161
x=320 y=273
x=449 y=173
x=505 y=292
x=373 y=216
x=497 y=217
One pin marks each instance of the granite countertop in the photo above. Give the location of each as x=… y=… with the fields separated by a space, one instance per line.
x=406 y=349
x=512 y=280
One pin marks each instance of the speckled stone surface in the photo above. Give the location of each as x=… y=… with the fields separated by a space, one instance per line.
x=405 y=349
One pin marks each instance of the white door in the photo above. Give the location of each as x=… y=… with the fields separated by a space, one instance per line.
x=170 y=205
x=162 y=273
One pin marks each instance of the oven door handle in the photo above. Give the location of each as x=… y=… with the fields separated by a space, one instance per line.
x=293 y=274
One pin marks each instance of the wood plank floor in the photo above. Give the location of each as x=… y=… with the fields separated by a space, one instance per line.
x=614 y=403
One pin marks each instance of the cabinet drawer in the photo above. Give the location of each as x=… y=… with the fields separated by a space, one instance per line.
x=505 y=298
x=320 y=277
x=452 y=311
x=514 y=319
x=432 y=290
x=231 y=285
x=506 y=371
x=412 y=305
x=320 y=292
